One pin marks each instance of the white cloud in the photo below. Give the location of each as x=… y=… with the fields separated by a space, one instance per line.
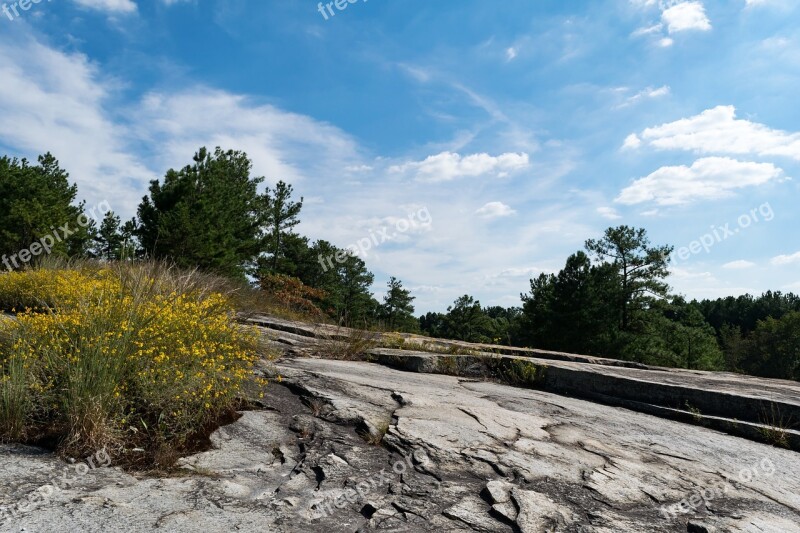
x=51 y=100
x=741 y=264
x=676 y=17
x=61 y=102
x=448 y=166
x=609 y=213
x=686 y=16
x=511 y=53
x=495 y=210
x=111 y=6
x=707 y=179
x=277 y=141
x=782 y=260
x=632 y=142
x=717 y=131
x=518 y=272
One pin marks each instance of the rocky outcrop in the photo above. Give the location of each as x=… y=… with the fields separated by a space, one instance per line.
x=355 y=446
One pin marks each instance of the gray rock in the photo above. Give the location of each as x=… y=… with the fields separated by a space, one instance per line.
x=460 y=455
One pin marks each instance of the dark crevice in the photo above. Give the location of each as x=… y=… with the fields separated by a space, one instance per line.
x=319 y=474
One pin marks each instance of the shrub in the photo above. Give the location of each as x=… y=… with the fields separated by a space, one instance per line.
x=121 y=356
x=292 y=297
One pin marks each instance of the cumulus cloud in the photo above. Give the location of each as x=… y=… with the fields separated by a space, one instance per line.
x=676 y=17
x=495 y=210
x=707 y=179
x=448 y=166
x=686 y=16
x=717 y=131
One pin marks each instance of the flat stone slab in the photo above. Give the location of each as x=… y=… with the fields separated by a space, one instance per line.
x=747 y=406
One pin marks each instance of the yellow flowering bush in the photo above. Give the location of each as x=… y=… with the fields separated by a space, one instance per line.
x=129 y=357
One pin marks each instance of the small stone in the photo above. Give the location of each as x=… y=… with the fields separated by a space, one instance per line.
x=499 y=491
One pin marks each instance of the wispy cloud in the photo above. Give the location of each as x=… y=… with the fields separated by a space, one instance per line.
x=740 y=264
x=648 y=93
x=111 y=6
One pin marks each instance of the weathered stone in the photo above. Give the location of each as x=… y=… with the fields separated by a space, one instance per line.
x=459 y=455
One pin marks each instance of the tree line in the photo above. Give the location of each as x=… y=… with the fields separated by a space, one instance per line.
x=611 y=299
x=211 y=215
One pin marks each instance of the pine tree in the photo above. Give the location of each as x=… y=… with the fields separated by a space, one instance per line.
x=397 y=309
x=208 y=214
x=641 y=268
x=109 y=238
x=37 y=205
x=281 y=216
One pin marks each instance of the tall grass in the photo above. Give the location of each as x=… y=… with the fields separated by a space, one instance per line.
x=128 y=356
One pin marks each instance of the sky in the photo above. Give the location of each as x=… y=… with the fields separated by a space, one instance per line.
x=461 y=146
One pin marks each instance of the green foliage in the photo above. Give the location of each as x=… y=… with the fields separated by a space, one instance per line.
x=773 y=349
x=757 y=334
x=744 y=312
x=36 y=201
x=397 y=311
x=110 y=240
x=432 y=324
x=618 y=307
x=574 y=300
x=520 y=372
x=674 y=335
x=466 y=321
x=640 y=268
x=208 y=214
x=281 y=215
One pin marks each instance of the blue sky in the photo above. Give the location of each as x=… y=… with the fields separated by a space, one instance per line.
x=488 y=139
